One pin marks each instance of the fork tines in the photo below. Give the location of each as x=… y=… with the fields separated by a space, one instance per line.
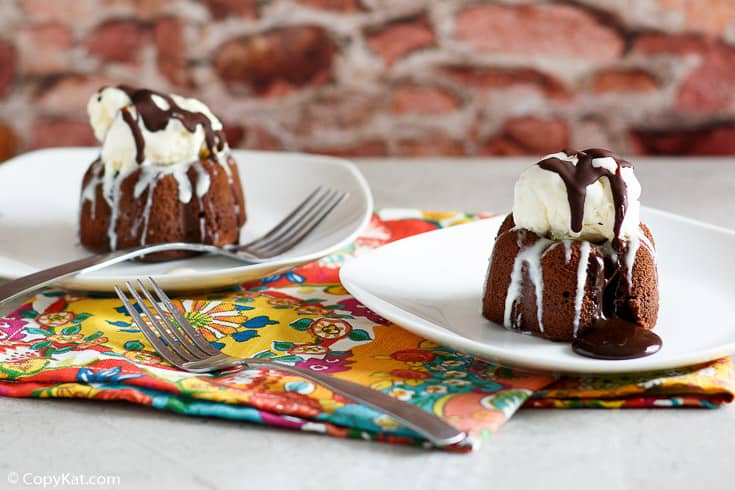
x=299 y=223
x=167 y=330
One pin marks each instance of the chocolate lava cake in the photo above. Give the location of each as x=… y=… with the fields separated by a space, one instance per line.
x=579 y=278
x=186 y=188
x=555 y=286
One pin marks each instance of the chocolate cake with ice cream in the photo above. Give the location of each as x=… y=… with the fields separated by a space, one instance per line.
x=573 y=255
x=165 y=174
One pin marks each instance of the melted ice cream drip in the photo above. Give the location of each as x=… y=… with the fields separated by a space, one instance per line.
x=114 y=214
x=222 y=159
x=531 y=256
x=147 y=211
x=584 y=260
x=182 y=179
x=203 y=180
x=202 y=186
x=567 y=250
x=634 y=243
x=89 y=193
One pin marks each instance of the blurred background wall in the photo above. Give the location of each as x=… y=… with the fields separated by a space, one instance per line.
x=386 y=77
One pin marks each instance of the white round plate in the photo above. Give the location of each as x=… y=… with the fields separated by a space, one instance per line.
x=39 y=206
x=432 y=285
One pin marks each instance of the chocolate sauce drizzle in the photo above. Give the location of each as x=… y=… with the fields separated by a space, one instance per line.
x=611 y=336
x=137 y=134
x=156 y=119
x=578 y=177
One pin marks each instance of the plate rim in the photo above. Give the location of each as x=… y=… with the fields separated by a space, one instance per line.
x=79 y=282
x=438 y=333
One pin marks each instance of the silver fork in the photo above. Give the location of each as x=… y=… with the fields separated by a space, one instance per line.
x=289 y=232
x=184 y=347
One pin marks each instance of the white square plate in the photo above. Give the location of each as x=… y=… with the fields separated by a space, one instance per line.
x=432 y=285
x=39 y=213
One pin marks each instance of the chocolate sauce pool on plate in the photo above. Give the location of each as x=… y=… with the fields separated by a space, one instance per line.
x=616 y=339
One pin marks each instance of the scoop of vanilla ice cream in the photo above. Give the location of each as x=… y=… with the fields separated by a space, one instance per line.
x=118 y=146
x=170 y=146
x=541 y=204
x=102 y=109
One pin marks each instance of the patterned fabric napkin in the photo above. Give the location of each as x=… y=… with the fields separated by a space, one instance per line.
x=66 y=346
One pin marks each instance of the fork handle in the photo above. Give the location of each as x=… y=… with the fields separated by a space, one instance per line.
x=434 y=429
x=12 y=291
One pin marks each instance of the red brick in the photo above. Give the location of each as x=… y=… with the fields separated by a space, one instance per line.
x=338 y=110
x=710 y=17
x=169 y=38
x=370 y=148
x=148 y=9
x=659 y=43
x=503 y=78
x=234 y=134
x=251 y=137
x=65 y=11
x=44 y=48
x=277 y=62
x=220 y=9
x=707 y=141
x=61 y=132
x=142 y=9
x=8 y=142
x=623 y=80
x=711 y=86
x=7 y=67
x=336 y=5
x=258 y=138
x=118 y=40
x=435 y=144
x=528 y=136
x=69 y=95
x=401 y=39
x=423 y=100
x=502 y=147
x=550 y=30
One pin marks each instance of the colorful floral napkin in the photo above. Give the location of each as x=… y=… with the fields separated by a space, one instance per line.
x=68 y=346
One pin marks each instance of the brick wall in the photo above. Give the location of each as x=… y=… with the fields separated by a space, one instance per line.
x=386 y=77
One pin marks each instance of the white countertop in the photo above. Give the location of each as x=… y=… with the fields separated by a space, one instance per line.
x=599 y=449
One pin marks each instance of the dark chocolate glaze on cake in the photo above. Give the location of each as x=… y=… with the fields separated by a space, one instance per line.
x=578 y=177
